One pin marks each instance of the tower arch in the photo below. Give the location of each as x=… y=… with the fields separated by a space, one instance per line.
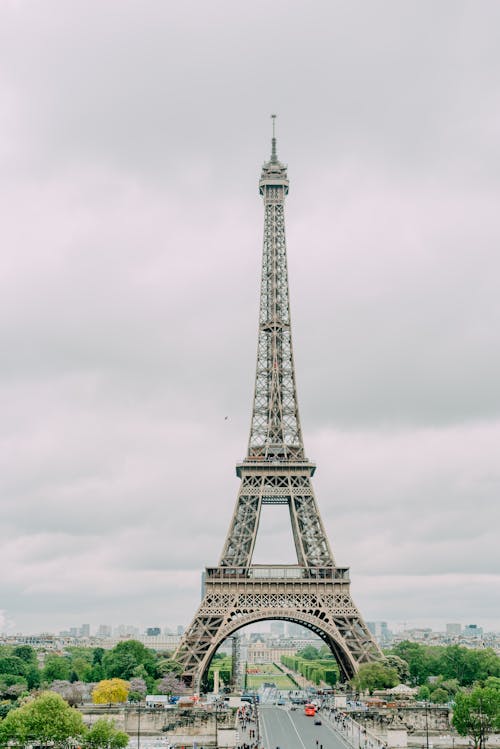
x=326 y=631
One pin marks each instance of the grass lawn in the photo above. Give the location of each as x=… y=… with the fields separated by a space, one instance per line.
x=267 y=672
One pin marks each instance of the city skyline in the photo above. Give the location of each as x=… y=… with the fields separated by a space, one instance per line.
x=129 y=298
x=137 y=629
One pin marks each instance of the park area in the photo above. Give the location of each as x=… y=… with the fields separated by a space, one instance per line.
x=258 y=674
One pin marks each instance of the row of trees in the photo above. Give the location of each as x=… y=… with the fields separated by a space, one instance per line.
x=438 y=671
x=315 y=664
x=465 y=665
x=318 y=670
x=20 y=671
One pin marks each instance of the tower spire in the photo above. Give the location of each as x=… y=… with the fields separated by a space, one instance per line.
x=275 y=432
x=274 y=155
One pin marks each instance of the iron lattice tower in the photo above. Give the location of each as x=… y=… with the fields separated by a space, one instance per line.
x=315 y=592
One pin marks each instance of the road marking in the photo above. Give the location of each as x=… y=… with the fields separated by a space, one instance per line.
x=295 y=729
x=264 y=730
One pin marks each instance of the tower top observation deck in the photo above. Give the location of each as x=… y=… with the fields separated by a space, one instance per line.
x=274 y=173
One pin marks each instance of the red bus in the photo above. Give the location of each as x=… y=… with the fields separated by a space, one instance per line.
x=310 y=709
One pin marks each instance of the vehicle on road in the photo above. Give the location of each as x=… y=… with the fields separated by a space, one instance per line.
x=310 y=709
x=317 y=722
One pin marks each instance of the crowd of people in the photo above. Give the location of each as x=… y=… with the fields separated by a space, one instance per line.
x=248 y=726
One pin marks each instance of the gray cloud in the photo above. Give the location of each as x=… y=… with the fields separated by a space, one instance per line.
x=130 y=147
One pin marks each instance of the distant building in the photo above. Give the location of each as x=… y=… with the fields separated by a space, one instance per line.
x=258 y=652
x=126 y=630
x=84 y=630
x=472 y=630
x=453 y=628
x=257 y=637
x=180 y=629
x=153 y=631
x=381 y=632
x=103 y=630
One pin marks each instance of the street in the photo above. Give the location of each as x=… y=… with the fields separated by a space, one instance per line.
x=293 y=730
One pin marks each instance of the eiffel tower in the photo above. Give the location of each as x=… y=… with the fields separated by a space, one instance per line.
x=314 y=592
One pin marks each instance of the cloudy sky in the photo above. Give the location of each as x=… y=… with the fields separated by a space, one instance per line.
x=132 y=134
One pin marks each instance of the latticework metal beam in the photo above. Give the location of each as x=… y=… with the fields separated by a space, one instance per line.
x=314 y=593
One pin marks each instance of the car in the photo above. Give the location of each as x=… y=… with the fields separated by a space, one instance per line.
x=317 y=722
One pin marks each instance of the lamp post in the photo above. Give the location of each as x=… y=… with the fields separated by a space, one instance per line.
x=217 y=708
x=139 y=726
x=426 y=724
x=257 y=720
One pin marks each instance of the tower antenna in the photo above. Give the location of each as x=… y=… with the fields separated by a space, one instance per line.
x=274 y=156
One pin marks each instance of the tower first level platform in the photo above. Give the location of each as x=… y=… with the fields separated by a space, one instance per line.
x=318 y=598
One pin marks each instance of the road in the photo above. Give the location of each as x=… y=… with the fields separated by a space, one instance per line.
x=293 y=730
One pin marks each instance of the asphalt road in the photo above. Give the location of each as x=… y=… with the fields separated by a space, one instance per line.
x=293 y=730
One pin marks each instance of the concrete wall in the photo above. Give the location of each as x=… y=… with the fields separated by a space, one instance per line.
x=153 y=720
x=413 y=719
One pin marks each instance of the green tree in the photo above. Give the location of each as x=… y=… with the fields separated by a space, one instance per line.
x=33 y=677
x=97 y=655
x=5 y=707
x=373 y=676
x=47 y=719
x=477 y=714
x=56 y=668
x=104 y=735
x=418 y=659
x=468 y=666
x=439 y=696
x=493 y=682
x=97 y=673
x=124 y=658
x=424 y=693
x=26 y=653
x=481 y=664
x=401 y=666
x=82 y=668
x=309 y=653
x=12 y=664
x=326 y=654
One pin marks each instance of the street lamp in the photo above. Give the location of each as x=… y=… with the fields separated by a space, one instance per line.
x=138 y=725
x=217 y=708
x=257 y=719
x=427 y=724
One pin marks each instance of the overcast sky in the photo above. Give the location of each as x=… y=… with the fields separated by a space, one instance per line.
x=132 y=136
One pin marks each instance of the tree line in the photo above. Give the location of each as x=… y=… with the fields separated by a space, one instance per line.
x=74 y=673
